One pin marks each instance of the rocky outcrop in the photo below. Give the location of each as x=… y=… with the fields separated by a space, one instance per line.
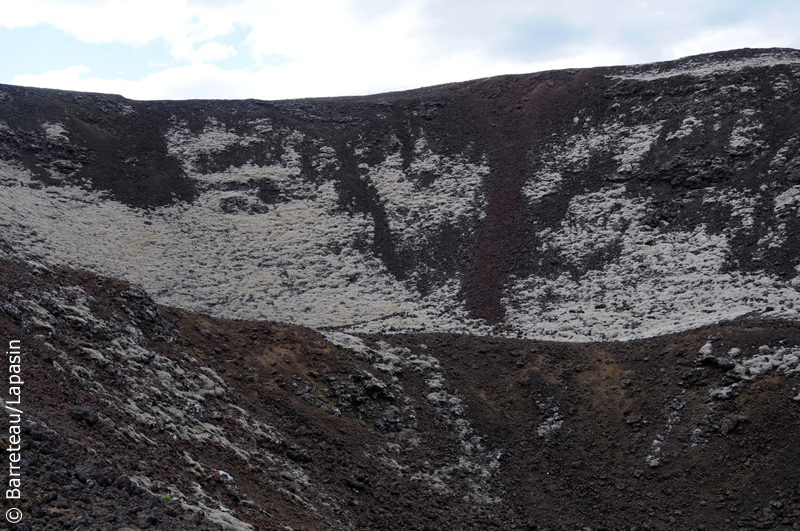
x=139 y=416
x=574 y=205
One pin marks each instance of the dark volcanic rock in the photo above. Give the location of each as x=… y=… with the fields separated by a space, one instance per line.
x=205 y=423
x=86 y=414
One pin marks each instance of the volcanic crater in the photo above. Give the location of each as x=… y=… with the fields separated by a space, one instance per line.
x=559 y=300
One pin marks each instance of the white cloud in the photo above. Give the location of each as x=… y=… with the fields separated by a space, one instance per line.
x=729 y=38
x=185 y=82
x=338 y=47
x=130 y=22
x=208 y=52
x=68 y=79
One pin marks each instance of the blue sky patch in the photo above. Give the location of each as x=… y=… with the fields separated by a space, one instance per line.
x=37 y=49
x=41 y=48
x=244 y=60
x=536 y=37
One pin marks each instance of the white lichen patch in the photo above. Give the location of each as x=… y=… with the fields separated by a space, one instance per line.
x=788 y=202
x=326 y=159
x=604 y=214
x=740 y=89
x=635 y=142
x=782 y=87
x=767 y=359
x=542 y=184
x=161 y=399
x=741 y=203
x=416 y=208
x=295 y=263
x=705 y=67
x=783 y=155
x=55 y=131
x=215 y=138
x=280 y=174
x=783 y=359
x=662 y=282
x=745 y=135
x=552 y=423
x=673 y=408
x=302 y=259
x=201 y=503
x=306 y=258
x=706 y=349
x=687 y=126
x=626 y=144
x=440 y=311
x=474 y=463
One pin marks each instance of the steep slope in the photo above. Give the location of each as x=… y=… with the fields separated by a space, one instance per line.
x=139 y=416
x=579 y=205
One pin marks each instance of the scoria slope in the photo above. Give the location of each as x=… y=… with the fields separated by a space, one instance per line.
x=579 y=205
x=138 y=416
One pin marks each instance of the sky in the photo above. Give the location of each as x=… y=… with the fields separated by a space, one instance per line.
x=267 y=49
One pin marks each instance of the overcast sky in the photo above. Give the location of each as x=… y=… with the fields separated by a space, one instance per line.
x=177 y=49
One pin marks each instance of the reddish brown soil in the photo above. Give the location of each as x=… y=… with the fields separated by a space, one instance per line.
x=613 y=399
